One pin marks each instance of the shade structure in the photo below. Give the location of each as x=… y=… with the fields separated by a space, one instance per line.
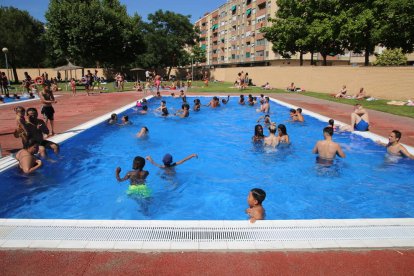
x=68 y=67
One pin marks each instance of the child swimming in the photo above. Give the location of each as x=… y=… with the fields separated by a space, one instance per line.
x=255 y=199
x=167 y=160
x=137 y=176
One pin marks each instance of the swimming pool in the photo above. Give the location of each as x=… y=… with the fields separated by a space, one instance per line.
x=11 y=100
x=81 y=185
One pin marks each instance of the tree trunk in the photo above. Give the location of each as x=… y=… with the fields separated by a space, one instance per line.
x=16 y=78
x=366 y=57
x=301 y=58
x=169 y=72
x=311 y=57
x=324 y=59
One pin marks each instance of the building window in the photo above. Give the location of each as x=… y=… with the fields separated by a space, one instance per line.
x=248 y=55
x=233 y=56
x=260 y=53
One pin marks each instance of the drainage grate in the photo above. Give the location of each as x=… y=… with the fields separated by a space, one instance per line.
x=205 y=234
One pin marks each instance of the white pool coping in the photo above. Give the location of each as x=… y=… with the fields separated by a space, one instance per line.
x=155 y=235
x=24 y=101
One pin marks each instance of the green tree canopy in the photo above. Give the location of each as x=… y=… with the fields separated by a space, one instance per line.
x=93 y=31
x=22 y=35
x=167 y=35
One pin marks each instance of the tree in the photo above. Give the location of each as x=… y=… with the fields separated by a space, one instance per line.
x=391 y=57
x=93 y=31
x=22 y=35
x=198 y=54
x=166 y=36
x=397 y=21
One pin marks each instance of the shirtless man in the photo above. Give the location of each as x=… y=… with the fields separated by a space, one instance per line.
x=394 y=147
x=265 y=108
x=27 y=159
x=327 y=149
x=214 y=102
x=299 y=116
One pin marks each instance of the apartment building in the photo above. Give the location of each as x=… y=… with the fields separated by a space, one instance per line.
x=231 y=34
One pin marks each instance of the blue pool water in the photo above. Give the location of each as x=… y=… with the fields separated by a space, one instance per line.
x=12 y=100
x=81 y=184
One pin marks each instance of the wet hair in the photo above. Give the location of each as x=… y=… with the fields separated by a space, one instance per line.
x=125 y=118
x=267 y=115
x=267 y=98
x=144 y=100
x=282 y=128
x=138 y=163
x=31 y=143
x=397 y=134
x=258 y=194
x=257 y=132
x=261 y=95
x=241 y=96
x=331 y=122
x=114 y=116
x=181 y=91
x=145 y=108
x=158 y=93
x=146 y=129
x=328 y=130
x=299 y=110
x=164 y=111
x=172 y=94
x=272 y=128
x=163 y=101
x=215 y=98
x=31 y=109
x=19 y=109
x=292 y=111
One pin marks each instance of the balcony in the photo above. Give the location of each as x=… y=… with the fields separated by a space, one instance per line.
x=260 y=48
x=261 y=3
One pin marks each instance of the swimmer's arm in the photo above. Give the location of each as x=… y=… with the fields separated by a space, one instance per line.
x=339 y=152
x=25 y=164
x=260 y=118
x=315 y=149
x=187 y=158
x=381 y=143
x=117 y=171
x=149 y=158
x=405 y=152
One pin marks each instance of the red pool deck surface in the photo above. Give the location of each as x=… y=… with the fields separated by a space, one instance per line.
x=72 y=111
x=378 y=262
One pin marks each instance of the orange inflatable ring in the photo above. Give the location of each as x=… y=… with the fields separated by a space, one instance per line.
x=39 y=80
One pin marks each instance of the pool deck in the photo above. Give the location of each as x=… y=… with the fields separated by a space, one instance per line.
x=73 y=111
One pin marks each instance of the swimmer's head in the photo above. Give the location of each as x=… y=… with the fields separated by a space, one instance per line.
x=138 y=163
x=299 y=110
x=328 y=131
x=172 y=94
x=397 y=134
x=331 y=122
x=167 y=159
x=125 y=118
x=145 y=108
x=146 y=129
x=164 y=111
x=293 y=111
x=32 y=146
x=144 y=100
x=272 y=128
x=282 y=129
x=158 y=93
x=241 y=96
x=215 y=98
x=114 y=116
x=258 y=194
x=258 y=130
x=163 y=102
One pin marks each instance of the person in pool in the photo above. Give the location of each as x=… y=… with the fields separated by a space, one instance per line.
x=265 y=107
x=299 y=116
x=125 y=121
x=167 y=160
x=394 y=147
x=225 y=101
x=254 y=200
x=282 y=134
x=241 y=100
x=28 y=162
x=137 y=176
x=258 y=134
x=143 y=132
x=215 y=102
x=197 y=105
x=113 y=120
x=327 y=149
x=272 y=140
x=266 y=119
x=184 y=111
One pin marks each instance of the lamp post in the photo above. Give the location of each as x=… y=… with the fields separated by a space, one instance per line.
x=192 y=70
x=5 y=50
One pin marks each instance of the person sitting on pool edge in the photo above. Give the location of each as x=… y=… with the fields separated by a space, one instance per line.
x=359 y=119
x=168 y=161
x=254 y=200
x=28 y=162
x=394 y=147
x=327 y=149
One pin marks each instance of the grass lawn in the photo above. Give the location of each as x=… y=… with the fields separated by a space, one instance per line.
x=380 y=105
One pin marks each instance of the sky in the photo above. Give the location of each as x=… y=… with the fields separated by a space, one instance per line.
x=195 y=8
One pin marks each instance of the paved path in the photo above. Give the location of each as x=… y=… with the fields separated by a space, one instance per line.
x=377 y=262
